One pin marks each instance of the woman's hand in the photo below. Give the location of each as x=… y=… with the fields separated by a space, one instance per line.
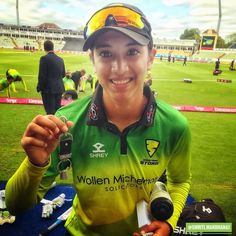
x=41 y=137
x=158 y=228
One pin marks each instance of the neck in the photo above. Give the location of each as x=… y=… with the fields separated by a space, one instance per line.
x=125 y=113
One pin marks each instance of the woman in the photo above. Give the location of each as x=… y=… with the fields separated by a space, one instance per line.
x=123 y=139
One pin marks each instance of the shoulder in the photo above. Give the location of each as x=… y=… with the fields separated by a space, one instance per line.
x=170 y=116
x=43 y=57
x=58 y=58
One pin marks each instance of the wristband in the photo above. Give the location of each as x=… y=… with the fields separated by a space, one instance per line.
x=40 y=165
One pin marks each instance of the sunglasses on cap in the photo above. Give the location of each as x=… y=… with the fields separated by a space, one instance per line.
x=121 y=16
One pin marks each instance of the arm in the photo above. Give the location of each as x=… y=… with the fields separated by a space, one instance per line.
x=178 y=175
x=64 y=70
x=12 y=85
x=24 y=84
x=178 y=183
x=8 y=91
x=19 y=78
x=42 y=74
x=23 y=185
x=39 y=141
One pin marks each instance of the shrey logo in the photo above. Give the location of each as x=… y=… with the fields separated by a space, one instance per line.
x=98 y=151
x=98 y=147
x=152 y=146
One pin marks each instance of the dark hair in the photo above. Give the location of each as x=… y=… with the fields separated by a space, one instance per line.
x=48 y=46
x=8 y=75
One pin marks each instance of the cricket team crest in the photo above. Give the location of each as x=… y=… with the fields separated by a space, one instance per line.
x=152 y=146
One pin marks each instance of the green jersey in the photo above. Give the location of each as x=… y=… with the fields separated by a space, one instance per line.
x=68 y=84
x=3 y=84
x=114 y=170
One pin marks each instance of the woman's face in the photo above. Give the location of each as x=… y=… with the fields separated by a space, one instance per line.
x=121 y=65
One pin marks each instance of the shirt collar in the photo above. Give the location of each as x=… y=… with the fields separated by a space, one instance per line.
x=97 y=116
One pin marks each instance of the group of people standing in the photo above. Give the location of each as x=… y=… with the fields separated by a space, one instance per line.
x=169 y=58
x=217 y=69
x=55 y=83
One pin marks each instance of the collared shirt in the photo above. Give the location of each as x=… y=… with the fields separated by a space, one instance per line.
x=113 y=170
x=97 y=116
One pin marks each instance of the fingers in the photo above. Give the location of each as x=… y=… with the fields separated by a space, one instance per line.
x=33 y=142
x=159 y=228
x=136 y=234
x=43 y=129
x=42 y=136
x=47 y=125
x=69 y=124
x=35 y=130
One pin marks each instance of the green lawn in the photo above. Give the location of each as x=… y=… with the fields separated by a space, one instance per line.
x=213 y=134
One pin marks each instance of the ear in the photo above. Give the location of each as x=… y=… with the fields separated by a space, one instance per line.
x=152 y=54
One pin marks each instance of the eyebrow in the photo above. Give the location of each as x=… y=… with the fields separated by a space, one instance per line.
x=102 y=46
x=108 y=45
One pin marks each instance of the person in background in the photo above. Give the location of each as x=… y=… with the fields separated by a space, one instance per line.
x=148 y=79
x=76 y=77
x=12 y=76
x=70 y=91
x=91 y=79
x=185 y=61
x=231 y=67
x=217 y=64
x=5 y=83
x=148 y=82
x=123 y=138
x=51 y=73
x=169 y=57
x=217 y=70
x=173 y=59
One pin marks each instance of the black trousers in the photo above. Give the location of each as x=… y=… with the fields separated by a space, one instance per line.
x=51 y=102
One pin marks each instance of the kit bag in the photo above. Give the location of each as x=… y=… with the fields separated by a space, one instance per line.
x=203 y=211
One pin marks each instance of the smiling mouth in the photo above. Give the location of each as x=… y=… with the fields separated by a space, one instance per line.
x=118 y=82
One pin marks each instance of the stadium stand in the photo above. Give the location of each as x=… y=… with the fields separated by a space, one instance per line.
x=73 y=44
x=5 y=42
x=208 y=54
x=176 y=48
x=32 y=38
x=230 y=55
x=225 y=55
x=28 y=38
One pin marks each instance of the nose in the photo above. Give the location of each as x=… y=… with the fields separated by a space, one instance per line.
x=119 y=66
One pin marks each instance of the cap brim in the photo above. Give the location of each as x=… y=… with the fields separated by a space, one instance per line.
x=140 y=39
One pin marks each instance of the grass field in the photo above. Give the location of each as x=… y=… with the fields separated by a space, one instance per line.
x=213 y=134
